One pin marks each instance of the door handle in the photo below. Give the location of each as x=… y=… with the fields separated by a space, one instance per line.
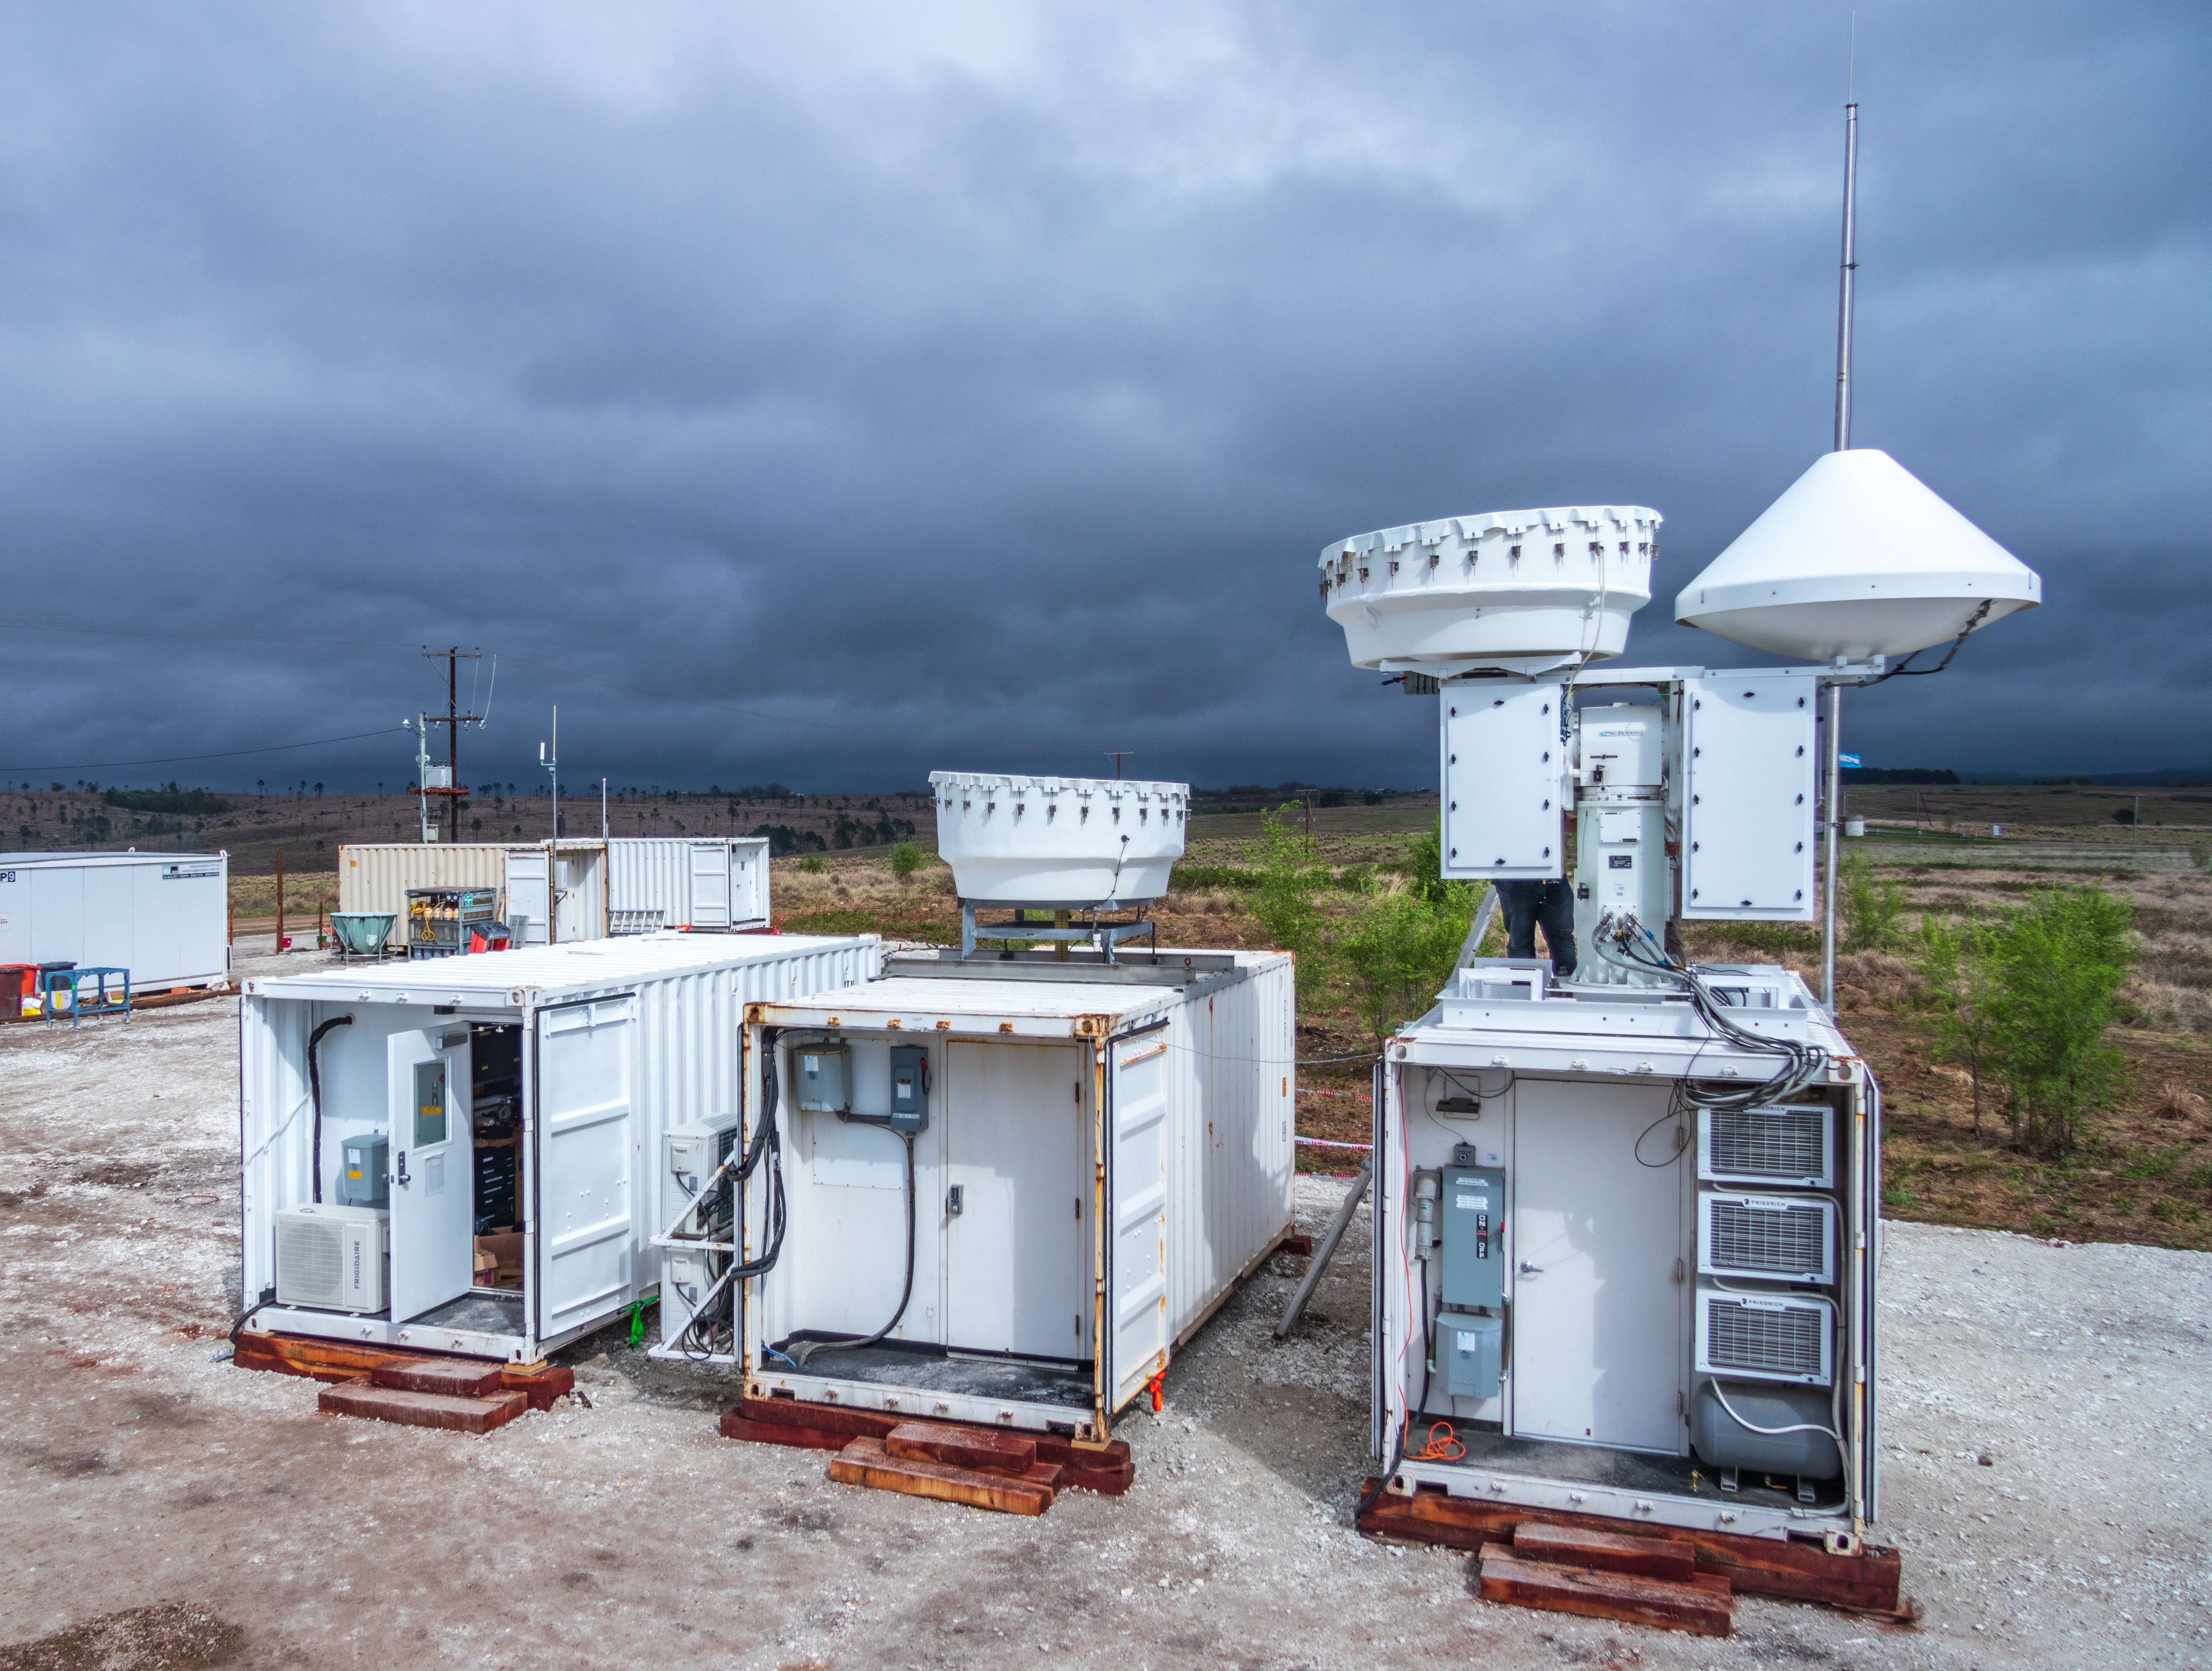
x=403 y=1178
x=1528 y=1270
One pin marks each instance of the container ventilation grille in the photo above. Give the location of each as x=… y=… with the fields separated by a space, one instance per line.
x=310 y=1261
x=1774 y=1144
x=1789 y=1342
x=1781 y=1238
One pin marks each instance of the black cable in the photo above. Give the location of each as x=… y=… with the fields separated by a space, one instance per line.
x=851 y=1342
x=315 y=1094
x=1903 y=670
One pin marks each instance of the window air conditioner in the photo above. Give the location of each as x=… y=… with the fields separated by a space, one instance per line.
x=1766 y=1337
x=1782 y=1146
x=333 y=1258
x=1768 y=1238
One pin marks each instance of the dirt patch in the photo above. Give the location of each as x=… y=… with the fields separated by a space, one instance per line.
x=169 y=1636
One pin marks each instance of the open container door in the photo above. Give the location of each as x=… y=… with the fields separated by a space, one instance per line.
x=710 y=884
x=433 y=1174
x=1137 y=1279
x=529 y=895
x=584 y=1130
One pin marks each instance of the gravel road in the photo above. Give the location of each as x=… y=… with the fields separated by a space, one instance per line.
x=2044 y=1432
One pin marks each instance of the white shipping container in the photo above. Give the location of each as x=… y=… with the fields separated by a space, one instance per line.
x=574 y=1058
x=164 y=916
x=696 y=882
x=557 y=893
x=1107 y=1152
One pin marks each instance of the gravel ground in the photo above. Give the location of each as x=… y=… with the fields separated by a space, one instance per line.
x=142 y=1474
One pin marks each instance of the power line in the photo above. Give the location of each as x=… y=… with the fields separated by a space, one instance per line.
x=179 y=759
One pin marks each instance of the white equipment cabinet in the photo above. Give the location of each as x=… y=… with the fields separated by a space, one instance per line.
x=164 y=916
x=1106 y=1151
x=522 y=1097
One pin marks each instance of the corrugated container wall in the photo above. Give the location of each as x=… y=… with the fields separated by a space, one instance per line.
x=375 y=876
x=163 y=916
x=688 y=882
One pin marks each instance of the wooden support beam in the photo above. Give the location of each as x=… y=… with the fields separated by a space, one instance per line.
x=1107 y=1469
x=460 y=1415
x=1604 y=1552
x=867 y=1462
x=1702 y=1606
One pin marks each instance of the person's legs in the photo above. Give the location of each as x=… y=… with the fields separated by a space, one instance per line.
x=1519 y=901
x=1556 y=912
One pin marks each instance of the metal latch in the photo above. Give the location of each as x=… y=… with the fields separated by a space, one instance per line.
x=952 y=1201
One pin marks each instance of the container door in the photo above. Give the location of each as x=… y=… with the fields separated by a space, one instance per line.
x=572 y=899
x=1018 y=1248
x=1137 y=1191
x=433 y=1169
x=1597 y=1328
x=1503 y=772
x=710 y=884
x=585 y=1233
x=529 y=895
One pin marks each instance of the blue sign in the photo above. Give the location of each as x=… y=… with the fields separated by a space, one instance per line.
x=1850 y=760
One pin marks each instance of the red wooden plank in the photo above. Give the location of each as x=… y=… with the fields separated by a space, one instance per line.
x=1107 y=1469
x=961 y=1447
x=1654 y=1602
x=464 y=1415
x=1604 y=1552
x=462 y=1378
x=866 y=1463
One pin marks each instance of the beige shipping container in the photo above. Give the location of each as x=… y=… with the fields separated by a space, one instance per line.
x=375 y=876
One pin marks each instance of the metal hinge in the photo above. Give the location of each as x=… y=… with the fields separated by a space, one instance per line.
x=1681 y=1273
x=1681 y=1409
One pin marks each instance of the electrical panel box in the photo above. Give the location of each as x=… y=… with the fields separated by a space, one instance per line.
x=1474 y=1234
x=365 y=1171
x=693 y=1153
x=1750 y=755
x=825 y=1078
x=1470 y=1354
x=1504 y=779
x=909 y=1088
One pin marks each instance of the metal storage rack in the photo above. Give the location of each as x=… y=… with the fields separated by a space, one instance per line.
x=439 y=918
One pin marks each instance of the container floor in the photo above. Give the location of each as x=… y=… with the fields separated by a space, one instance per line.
x=481 y=1310
x=970 y=1377
x=1628 y=1470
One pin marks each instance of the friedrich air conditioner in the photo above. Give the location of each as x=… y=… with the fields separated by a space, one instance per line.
x=333 y=1258
x=1766 y=1337
x=1768 y=1238
x=1782 y=1146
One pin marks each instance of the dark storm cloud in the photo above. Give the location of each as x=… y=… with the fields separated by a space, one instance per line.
x=981 y=382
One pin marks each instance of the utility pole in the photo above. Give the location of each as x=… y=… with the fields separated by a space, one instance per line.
x=1117 y=754
x=455 y=791
x=603 y=809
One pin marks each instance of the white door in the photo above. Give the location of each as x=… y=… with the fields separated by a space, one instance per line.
x=586 y=1226
x=1597 y=1312
x=572 y=898
x=433 y=1169
x=1017 y=1251
x=710 y=884
x=1137 y=1189
x=529 y=895
x=1503 y=772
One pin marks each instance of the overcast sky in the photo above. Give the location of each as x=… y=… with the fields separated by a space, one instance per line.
x=981 y=382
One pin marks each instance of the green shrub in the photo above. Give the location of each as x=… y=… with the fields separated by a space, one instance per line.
x=1399 y=949
x=2055 y=969
x=813 y=864
x=1872 y=910
x=2152 y=1166
x=1283 y=887
x=906 y=859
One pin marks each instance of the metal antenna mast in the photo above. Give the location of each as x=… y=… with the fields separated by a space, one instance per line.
x=1833 y=764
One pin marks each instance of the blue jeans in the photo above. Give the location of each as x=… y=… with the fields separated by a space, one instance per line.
x=1550 y=904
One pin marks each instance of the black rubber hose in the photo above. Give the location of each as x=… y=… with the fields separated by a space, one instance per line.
x=315 y=1093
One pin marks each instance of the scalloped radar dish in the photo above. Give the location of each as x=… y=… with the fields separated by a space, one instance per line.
x=1859 y=558
x=1559 y=583
x=1075 y=843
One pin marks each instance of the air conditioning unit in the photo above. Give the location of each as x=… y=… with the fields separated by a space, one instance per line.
x=1782 y=1146
x=692 y=1152
x=1769 y=1238
x=1766 y=1337
x=333 y=1258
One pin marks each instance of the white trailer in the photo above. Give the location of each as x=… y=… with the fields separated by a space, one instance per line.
x=509 y=1101
x=164 y=916
x=1006 y=1190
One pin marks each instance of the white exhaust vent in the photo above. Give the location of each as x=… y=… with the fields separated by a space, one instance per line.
x=1779 y=1146
x=333 y=1258
x=1766 y=1337
x=1771 y=1238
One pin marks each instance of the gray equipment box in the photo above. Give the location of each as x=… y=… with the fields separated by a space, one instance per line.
x=825 y=1078
x=1473 y=1233
x=1470 y=1354
x=364 y=1171
x=1724 y=1442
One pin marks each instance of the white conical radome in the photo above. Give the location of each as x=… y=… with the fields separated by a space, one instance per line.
x=1859 y=558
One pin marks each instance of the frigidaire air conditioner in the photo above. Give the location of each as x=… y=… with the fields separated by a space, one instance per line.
x=333 y=1258
x=1768 y=1238
x=1782 y=1146
x=1766 y=1337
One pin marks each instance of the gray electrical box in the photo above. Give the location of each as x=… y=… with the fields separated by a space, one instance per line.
x=825 y=1078
x=364 y=1166
x=1470 y=1354
x=909 y=1088
x=1472 y=1229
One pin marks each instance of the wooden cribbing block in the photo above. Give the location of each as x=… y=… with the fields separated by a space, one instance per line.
x=963 y=1447
x=735 y=1426
x=463 y=1378
x=1703 y=1606
x=460 y=1415
x=1107 y=1469
x=1604 y=1552
x=866 y=1463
